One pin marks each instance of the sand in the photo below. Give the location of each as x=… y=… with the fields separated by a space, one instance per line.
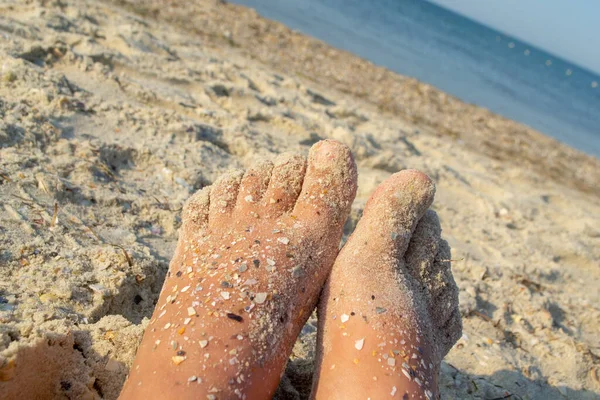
x=113 y=113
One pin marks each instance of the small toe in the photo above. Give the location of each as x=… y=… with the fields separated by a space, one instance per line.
x=422 y=250
x=444 y=294
x=223 y=196
x=285 y=184
x=253 y=186
x=329 y=185
x=444 y=303
x=196 y=209
x=394 y=209
x=451 y=332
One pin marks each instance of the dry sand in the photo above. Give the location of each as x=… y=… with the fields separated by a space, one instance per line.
x=113 y=113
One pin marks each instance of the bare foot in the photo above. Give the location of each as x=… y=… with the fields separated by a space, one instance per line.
x=253 y=254
x=389 y=310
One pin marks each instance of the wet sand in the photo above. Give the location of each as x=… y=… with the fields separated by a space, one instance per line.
x=113 y=113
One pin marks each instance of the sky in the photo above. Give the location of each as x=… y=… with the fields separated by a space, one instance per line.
x=569 y=29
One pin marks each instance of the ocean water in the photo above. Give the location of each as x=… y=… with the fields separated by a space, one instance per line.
x=477 y=64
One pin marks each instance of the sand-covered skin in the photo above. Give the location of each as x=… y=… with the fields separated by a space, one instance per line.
x=250 y=262
x=389 y=310
x=117 y=119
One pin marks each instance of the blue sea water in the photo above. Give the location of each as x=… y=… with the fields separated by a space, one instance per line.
x=477 y=64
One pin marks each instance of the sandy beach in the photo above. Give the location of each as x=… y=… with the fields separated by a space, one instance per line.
x=114 y=112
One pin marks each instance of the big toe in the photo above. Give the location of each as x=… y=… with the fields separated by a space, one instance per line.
x=394 y=209
x=329 y=185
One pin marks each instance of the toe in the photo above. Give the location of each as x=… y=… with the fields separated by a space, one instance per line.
x=195 y=210
x=253 y=186
x=223 y=196
x=428 y=260
x=422 y=250
x=444 y=293
x=393 y=211
x=329 y=185
x=451 y=332
x=285 y=184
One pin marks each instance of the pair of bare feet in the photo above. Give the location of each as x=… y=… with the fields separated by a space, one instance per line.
x=255 y=252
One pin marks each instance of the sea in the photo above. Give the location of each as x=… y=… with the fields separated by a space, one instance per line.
x=460 y=56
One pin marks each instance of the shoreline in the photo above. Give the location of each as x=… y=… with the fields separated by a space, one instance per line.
x=474 y=126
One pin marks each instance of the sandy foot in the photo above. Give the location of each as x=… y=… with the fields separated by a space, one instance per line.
x=253 y=255
x=389 y=312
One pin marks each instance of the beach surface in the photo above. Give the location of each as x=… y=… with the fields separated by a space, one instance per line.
x=112 y=113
